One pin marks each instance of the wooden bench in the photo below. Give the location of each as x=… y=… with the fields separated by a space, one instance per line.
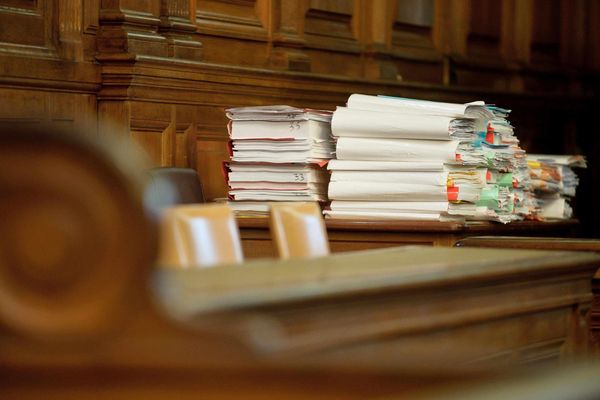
x=550 y=243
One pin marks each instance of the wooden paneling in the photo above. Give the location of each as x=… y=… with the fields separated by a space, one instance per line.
x=29 y=27
x=485 y=28
x=546 y=31
x=74 y=111
x=592 y=44
x=412 y=42
x=413 y=24
x=328 y=25
x=163 y=71
x=210 y=155
x=243 y=19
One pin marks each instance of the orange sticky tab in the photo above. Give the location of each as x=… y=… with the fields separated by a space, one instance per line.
x=452 y=194
x=489 y=137
x=320 y=163
x=488 y=175
x=458 y=157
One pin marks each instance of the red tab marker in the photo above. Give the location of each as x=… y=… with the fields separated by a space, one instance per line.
x=452 y=194
x=488 y=175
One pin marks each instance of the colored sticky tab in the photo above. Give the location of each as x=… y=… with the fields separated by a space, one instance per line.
x=450 y=182
x=488 y=175
x=458 y=158
x=452 y=194
x=489 y=197
x=505 y=179
x=478 y=140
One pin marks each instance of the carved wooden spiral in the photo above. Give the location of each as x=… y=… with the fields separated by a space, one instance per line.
x=74 y=238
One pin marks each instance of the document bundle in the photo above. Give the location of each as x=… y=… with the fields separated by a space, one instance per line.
x=401 y=158
x=554 y=183
x=383 y=157
x=278 y=153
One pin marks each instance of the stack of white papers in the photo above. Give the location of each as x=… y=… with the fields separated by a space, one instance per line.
x=278 y=153
x=402 y=158
x=554 y=183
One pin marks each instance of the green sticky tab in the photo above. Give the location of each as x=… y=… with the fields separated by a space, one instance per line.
x=489 y=197
x=510 y=208
x=505 y=180
x=489 y=156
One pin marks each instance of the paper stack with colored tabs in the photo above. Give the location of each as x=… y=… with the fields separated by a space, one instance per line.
x=399 y=158
x=278 y=153
x=554 y=183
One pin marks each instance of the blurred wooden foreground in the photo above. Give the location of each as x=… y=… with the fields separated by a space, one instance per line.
x=85 y=314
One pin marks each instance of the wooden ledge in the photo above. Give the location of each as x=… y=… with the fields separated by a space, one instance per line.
x=425 y=226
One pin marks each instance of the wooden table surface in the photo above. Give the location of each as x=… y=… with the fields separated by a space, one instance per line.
x=260 y=282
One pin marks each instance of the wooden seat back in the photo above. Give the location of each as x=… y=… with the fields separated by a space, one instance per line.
x=298 y=230
x=199 y=236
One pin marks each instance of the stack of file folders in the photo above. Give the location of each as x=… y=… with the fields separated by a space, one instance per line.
x=278 y=153
x=554 y=183
x=399 y=158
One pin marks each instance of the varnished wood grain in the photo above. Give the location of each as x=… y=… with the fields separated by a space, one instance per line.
x=570 y=244
x=369 y=304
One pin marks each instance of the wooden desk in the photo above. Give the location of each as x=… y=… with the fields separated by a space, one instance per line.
x=349 y=326
x=351 y=235
x=548 y=243
x=387 y=306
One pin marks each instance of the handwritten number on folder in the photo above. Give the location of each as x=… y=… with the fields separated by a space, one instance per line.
x=298 y=177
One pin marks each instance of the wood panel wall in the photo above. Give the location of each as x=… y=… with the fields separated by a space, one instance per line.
x=163 y=71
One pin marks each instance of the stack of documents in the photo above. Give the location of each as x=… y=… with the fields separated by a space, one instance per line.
x=278 y=153
x=400 y=158
x=554 y=183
